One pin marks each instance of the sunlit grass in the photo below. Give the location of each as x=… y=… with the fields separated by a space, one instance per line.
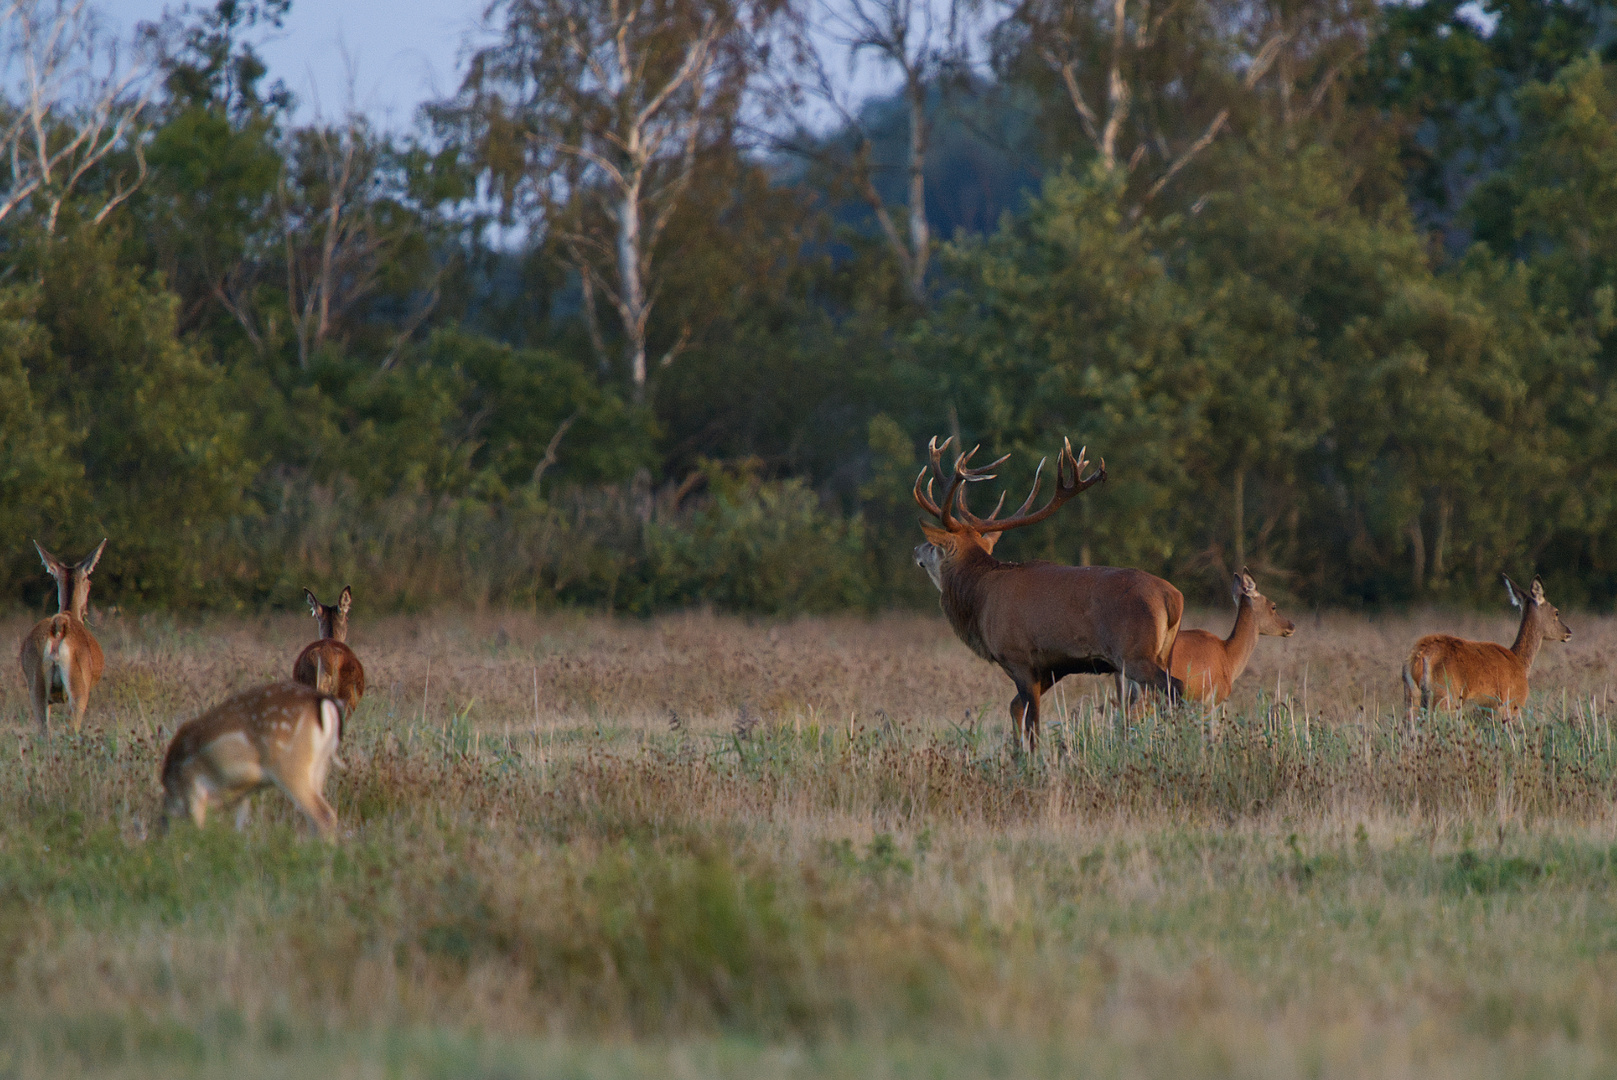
x=698 y=847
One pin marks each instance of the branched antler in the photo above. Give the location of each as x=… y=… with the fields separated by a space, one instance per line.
x=1070 y=480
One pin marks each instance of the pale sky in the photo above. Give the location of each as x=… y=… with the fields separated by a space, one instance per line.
x=403 y=52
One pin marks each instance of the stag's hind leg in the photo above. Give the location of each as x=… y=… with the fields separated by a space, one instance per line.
x=1025 y=711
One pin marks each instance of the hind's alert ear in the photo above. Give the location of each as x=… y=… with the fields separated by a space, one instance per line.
x=1538 y=590
x=1514 y=590
x=53 y=565
x=313 y=602
x=90 y=560
x=346 y=600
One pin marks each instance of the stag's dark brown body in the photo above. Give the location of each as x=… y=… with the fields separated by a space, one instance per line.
x=1046 y=620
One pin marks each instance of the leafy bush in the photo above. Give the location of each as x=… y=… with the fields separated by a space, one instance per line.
x=756 y=546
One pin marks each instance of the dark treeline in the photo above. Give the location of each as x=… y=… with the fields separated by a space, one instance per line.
x=653 y=313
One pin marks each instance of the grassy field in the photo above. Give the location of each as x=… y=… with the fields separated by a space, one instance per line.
x=695 y=847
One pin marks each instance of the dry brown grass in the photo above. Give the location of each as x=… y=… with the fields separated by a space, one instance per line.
x=698 y=846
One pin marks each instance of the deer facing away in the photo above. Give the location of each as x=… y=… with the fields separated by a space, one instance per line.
x=284 y=735
x=1453 y=672
x=329 y=665
x=1040 y=621
x=61 y=659
x=1209 y=665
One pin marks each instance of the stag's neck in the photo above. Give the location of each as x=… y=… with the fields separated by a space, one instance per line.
x=962 y=599
x=1242 y=640
x=1528 y=637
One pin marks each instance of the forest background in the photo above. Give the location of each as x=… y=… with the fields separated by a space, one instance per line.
x=657 y=311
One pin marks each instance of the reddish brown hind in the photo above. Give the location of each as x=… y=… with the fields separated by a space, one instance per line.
x=284 y=734
x=1452 y=672
x=329 y=665
x=60 y=658
x=1209 y=665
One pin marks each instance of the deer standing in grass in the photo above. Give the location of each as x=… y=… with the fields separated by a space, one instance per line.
x=1209 y=665
x=60 y=658
x=1040 y=621
x=329 y=665
x=1453 y=672
x=283 y=735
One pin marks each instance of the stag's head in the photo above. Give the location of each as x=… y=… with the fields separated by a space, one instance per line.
x=1539 y=610
x=959 y=532
x=1270 y=621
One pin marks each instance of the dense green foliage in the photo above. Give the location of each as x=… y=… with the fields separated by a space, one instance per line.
x=1367 y=347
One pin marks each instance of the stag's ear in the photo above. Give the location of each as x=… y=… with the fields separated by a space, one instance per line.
x=1538 y=590
x=940 y=537
x=88 y=563
x=988 y=540
x=313 y=601
x=1514 y=590
x=346 y=600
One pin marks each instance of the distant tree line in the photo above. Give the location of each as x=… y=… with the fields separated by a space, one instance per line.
x=654 y=311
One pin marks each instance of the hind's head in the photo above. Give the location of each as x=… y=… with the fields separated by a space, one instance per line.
x=72 y=582
x=333 y=618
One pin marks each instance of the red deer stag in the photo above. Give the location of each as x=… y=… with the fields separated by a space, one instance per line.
x=60 y=658
x=1453 y=672
x=284 y=734
x=329 y=665
x=1040 y=621
x=1209 y=665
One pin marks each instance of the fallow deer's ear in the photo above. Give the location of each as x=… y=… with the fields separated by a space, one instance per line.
x=938 y=536
x=53 y=565
x=1538 y=590
x=346 y=600
x=1514 y=590
x=313 y=602
x=87 y=564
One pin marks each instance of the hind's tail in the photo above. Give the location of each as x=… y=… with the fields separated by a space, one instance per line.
x=1417 y=680
x=1168 y=629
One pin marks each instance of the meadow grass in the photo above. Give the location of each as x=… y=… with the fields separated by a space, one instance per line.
x=697 y=846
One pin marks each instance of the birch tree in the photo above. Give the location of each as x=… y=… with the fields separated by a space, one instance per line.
x=924 y=43
x=1153 y=83
x=70 y=100
x=591 y=118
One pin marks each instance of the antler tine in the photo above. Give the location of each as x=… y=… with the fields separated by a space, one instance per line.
x=1066 y=488
x=981 y=472
x=925 y=501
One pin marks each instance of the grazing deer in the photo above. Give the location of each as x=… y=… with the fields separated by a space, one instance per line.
x=60 y=658
x=1040 y=621
x=284 y=734
x=1453 y=672
x=329 y=665
x=1209 y=665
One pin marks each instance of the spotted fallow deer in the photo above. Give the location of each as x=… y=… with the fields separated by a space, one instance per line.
x=1040 y=621
x=329 y=665
x=60 y=658
x=1209 y=665
x=1453 y=672
x=284 y=735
